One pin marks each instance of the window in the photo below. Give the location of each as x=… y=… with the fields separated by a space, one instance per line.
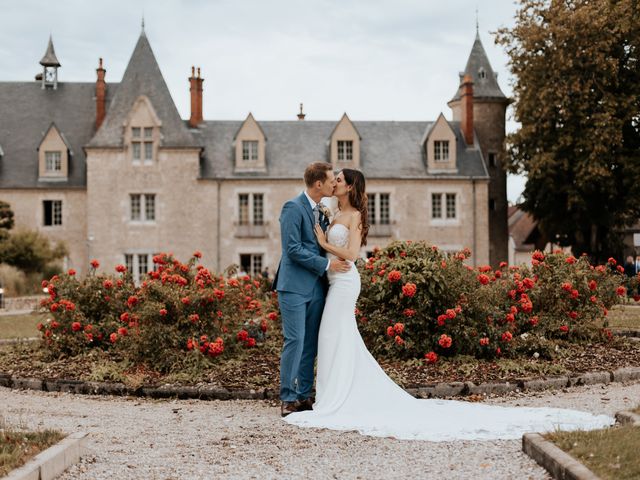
x=492 y=159
x=52 y=212
x=345 y=150
x=142 y=144
x=451 y=205
x=251 y=263
x=251 y=209
x=138 y=214
x=138 y=265
x=492 y=205
x=441 y=150
x=378 y=206
x=250 y=150
x=436 y=205
x=444 y=206
x=53 y=161
x=371 y=208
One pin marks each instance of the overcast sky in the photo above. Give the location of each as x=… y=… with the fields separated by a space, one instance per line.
x=374 y=59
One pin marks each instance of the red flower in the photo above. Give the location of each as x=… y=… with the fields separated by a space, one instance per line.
x=107 y=284
x=121 y=268
x=242 y=336
x=194 y=317
x=593 y=299
x=571 y=259
x=575 y=293
x=510 y=318
x=443 y=264
x=122 y=332
x=593 y=285
x=71 y=272
x=113 y=337
x=528 y=283
x=381 y=273
x=399 y=340
x=620 y=268
x=621 y=291
x=564 y=328
x=445 y=341
x=636 y=298
x=484 y=268
x=189 y=344
x=497 y=274
x=40 y=326
x=197 y=254
x=483 y=279
x=451 y=313
x=89 y=337
x=75 y=326
x=219 y=294
x=442 y=320
x=44 y=284
x=95 y=263
x=512 y=294
x=403 y=254
x=503 y=264
x=399 y=328
x=567 y=287
x=185 y=300
x=394 y=276
x=408 y=312
x=484 y=341
x=409 y=289
x=263 y=325
x=88 y=328
x=233 y=282
x=573 y=315
x=533 y=320
x=537 y=255
x=612 y=261
x=132 y=300
x=251 y=342
x=431 y=357
x=272 y=316
x=54 y=307
x=498 y=351
x=507 y=337
x=390 y=331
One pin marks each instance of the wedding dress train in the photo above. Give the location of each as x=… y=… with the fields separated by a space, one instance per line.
x=354 y=393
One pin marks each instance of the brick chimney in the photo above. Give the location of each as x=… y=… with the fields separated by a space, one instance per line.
x=195 y=88
x=466 y=104
x=301 y=115
x=101 y=94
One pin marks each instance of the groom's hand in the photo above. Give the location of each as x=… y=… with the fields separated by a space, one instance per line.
x=339 y=265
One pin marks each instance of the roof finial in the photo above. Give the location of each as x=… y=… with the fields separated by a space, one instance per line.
x=477 y=25
x=142 y=22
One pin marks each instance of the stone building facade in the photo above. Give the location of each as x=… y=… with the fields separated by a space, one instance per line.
x=113 y=171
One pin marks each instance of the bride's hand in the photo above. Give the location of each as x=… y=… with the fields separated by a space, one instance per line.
x=320 y=235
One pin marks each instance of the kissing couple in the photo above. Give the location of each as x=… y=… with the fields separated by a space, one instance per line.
x=318 y=286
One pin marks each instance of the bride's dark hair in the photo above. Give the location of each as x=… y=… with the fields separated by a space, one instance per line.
x=358 y=198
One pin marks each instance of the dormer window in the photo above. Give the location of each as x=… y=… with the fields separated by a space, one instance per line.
x=142 y=145
x=441 y=150
x=53 y=162
x=250 y=150
x=345 y=150
x=482 y=74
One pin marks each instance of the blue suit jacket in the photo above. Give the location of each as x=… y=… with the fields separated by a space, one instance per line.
x=303 y=262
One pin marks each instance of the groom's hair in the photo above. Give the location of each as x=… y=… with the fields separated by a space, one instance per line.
x=316 y=171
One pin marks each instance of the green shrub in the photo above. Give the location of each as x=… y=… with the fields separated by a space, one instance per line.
x=417 y=300
x=14 y=281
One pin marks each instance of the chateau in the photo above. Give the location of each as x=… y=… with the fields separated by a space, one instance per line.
x=113 y=171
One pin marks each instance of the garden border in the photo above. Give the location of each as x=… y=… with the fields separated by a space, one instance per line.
x=204 y=392
x=51 y=462
x=559 y=463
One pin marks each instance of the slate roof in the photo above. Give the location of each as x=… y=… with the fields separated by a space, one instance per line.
x=27 y=113
x=486 y=87
x=387 y=149
x=143 y=77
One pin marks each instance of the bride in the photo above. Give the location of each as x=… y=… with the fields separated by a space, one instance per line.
x=354 y=393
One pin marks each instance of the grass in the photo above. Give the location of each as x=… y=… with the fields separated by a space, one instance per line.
x=18 y=445
x=636 y=410
x=624 y=317
x=611 y=453
x=20 y=326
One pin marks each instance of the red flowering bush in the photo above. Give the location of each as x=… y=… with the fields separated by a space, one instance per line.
x=447 y=307
x=172 y=313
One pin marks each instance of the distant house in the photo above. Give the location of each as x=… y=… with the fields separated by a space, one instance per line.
x=114 y=171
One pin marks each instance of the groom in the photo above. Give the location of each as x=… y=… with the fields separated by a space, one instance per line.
x=302 y=286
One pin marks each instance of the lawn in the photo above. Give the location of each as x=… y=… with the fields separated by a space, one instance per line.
x=623 y=317
x=20 y=326
x=17 y=445
x=611 y=453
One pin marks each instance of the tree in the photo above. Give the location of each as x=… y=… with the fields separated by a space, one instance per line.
x=6 y=220
x=30 y=251
x=577 y=98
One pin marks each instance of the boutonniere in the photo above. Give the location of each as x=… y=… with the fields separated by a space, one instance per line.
x=325 y=211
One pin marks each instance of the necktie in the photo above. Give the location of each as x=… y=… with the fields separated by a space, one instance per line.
x=316 y=214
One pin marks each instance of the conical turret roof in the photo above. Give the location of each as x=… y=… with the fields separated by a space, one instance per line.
x=50 y=59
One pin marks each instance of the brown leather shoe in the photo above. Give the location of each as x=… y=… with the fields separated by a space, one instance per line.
x=306 y=404
x=288 y=407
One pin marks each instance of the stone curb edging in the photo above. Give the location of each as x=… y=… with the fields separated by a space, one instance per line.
x=557 y=462
x=51 y=462
x=436 y=390
x=12 y=341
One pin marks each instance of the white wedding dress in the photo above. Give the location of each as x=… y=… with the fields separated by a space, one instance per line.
x=354 y=393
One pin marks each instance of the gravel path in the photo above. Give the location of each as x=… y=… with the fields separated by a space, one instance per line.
x=131 y=438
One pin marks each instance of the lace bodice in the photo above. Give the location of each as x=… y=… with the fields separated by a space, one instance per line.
x=338 y=237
